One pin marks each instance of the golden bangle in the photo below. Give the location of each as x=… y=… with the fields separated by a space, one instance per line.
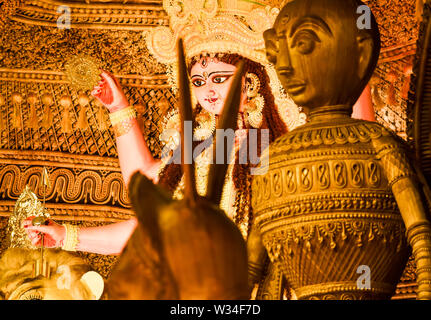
x=123 y=127
x=71 y=238
x=121 y=115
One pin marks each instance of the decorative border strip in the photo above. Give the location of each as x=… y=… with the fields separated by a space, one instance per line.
x=283 y=155
x=266 y=226
x=397 y=52
x=25 y=75
x=68 y=185
x=75 y=179
x=76 y=212
x=405 y=290
x=348 y=287
x=94 y=16
x=347 y=200
x=59 y=159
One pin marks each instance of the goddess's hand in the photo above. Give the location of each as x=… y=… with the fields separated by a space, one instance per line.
x=109 y=92
x=54 y=233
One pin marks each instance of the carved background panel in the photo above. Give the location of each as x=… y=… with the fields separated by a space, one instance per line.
x=151 y=102
x=399 y=28
x=86 y=184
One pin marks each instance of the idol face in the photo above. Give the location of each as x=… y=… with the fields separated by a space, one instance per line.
x=211 y=80
x=315 y=53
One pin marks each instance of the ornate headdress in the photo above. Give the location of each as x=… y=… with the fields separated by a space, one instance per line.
x=223 y=26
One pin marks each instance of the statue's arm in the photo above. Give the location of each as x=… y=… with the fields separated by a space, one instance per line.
x=257 y=258
x=403 y=181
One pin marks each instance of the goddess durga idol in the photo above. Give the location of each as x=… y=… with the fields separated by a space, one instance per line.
x=217 y=35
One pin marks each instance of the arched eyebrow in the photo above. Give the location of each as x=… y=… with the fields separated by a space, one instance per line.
x=310 y=19
x=209 y=75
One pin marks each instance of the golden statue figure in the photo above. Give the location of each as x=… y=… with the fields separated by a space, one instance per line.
x=340 y=200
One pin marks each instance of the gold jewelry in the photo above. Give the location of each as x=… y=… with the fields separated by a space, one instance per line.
x=122 y=120
x=123 y=127
x=253 y=110
x=123 y=114
x=252 y=87
x=71 y=238
x=170 y=130
x=206 y=125
x=256 y=102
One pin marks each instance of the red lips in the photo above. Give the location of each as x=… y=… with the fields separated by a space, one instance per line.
x=211 y=100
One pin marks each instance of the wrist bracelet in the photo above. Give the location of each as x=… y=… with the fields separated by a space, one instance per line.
x=71 y=238
x=121 y=115
x=121 y=120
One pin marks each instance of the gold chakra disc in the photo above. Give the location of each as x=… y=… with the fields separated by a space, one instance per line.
x=83 y=72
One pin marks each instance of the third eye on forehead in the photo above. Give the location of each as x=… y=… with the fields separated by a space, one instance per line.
x=204 y=75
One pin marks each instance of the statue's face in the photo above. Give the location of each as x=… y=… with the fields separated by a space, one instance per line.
x=211 y=80
x=315 y=53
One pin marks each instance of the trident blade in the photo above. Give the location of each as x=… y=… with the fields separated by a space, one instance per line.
x=186 y=116
x=228 y=120
x=45 y=178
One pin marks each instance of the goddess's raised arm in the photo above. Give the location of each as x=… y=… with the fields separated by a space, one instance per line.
x=134 y=155
x=133 y=152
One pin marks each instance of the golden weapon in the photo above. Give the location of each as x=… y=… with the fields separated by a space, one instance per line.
x=42 y=266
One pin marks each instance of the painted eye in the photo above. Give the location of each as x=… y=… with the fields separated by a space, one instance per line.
x=220 y=79
x=305 y=42
x=198 y=82
x=305 y=46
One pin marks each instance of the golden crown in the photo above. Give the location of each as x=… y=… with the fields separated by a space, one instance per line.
x=210 y=26
x=220 y=26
